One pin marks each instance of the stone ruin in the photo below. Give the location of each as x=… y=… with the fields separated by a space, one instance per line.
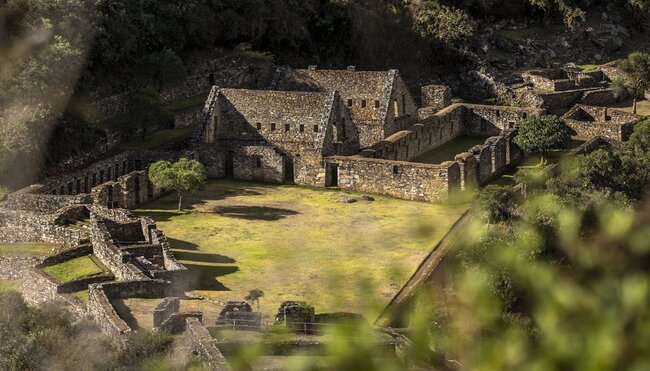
x=355 y=130
x=590 y=121
x=557 y=88
x=238 y=315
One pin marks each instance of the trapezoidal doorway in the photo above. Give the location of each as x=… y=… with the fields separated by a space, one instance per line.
x=332 y=175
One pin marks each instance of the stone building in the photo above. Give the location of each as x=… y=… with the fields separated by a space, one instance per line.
x=378 y=101
x=278 y=136
x=357 y=130
x=591 y=121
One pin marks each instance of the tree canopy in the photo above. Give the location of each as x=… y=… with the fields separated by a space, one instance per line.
x=540 y=134
x=183 y=176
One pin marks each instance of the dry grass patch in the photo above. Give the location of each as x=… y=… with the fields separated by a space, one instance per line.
x=298 y=243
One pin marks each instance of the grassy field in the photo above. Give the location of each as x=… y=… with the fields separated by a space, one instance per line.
x=448 y=151
x=297 y=243
x=31 y=249
x=74 y=269
x=7 y=286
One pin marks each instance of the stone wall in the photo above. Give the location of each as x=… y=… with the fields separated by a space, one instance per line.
x=82 y=181
x=39 y=288
x=435 y=97
x=405 y=180
x=19 y=226
x=483 y=156
x=468 y=167
x=420 y=138
x=201 y=343
x=100 y=307
x=128 y=191
x=561 y=99
x=259 y=163
x=601 y=97
x=609 y=130
x=164 y=310
x=14 y=267
x=42 y=203
x=481 y=120
x=213 y=157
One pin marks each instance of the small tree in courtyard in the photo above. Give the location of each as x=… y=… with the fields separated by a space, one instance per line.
x=637 y=67
x=255 y=295
x=184 y=176
x=541 y=134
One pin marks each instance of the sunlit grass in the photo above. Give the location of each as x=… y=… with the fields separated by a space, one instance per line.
x=73 y=269
x=33 y=249
x=297 y=243
x=9 y=285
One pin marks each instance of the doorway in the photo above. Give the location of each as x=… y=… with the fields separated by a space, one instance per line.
x=230 y=155
x=332 y=175
x=289 y=171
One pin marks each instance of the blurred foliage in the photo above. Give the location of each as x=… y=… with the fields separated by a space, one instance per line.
x=47 y=338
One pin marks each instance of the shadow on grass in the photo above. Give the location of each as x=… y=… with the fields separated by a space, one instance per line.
x=204 y=258
x=125 y=313
x=204 y=277
x=255 y=212
x=181 y=245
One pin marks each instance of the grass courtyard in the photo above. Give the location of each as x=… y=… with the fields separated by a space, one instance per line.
x=297 y=243
x=74 y=269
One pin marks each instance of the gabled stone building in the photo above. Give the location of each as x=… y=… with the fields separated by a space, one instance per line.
x=590 y=121
x=278 y=136
x=379 y=101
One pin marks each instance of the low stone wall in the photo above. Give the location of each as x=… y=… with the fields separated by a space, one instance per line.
x=164 y=310
x=69 y=254
x=420 y=138
x=100 y=307
x=214 y=159
x=602 y=97
x=411 y=181
x=38 y=287
x=202 y=344
x=43 y=203
x=19 y=226
x=594 y=129
x=83 y=283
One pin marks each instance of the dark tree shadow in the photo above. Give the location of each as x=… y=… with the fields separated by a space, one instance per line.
x=125 y=313
x=255 y=212
x=205 y=258
x=181 y=245
x=204 y=277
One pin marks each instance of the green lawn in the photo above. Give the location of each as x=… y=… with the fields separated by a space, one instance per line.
x=298 y=243
x=74 y=269
x=158 y=138
x=7 y=286
x=449 y=150
x=33 y=249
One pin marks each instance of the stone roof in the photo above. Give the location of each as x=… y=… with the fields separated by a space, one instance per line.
x=350 y=84
x=375 y=84
x=280 y=106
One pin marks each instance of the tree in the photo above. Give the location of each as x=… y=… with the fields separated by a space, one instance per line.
x=165 y=67
x=255 y=295
x=498 y=203
x=443 y=23
x=640 y=138
x=184 y=176
x=541 y=134
x=637 y=67
x=147 y=109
